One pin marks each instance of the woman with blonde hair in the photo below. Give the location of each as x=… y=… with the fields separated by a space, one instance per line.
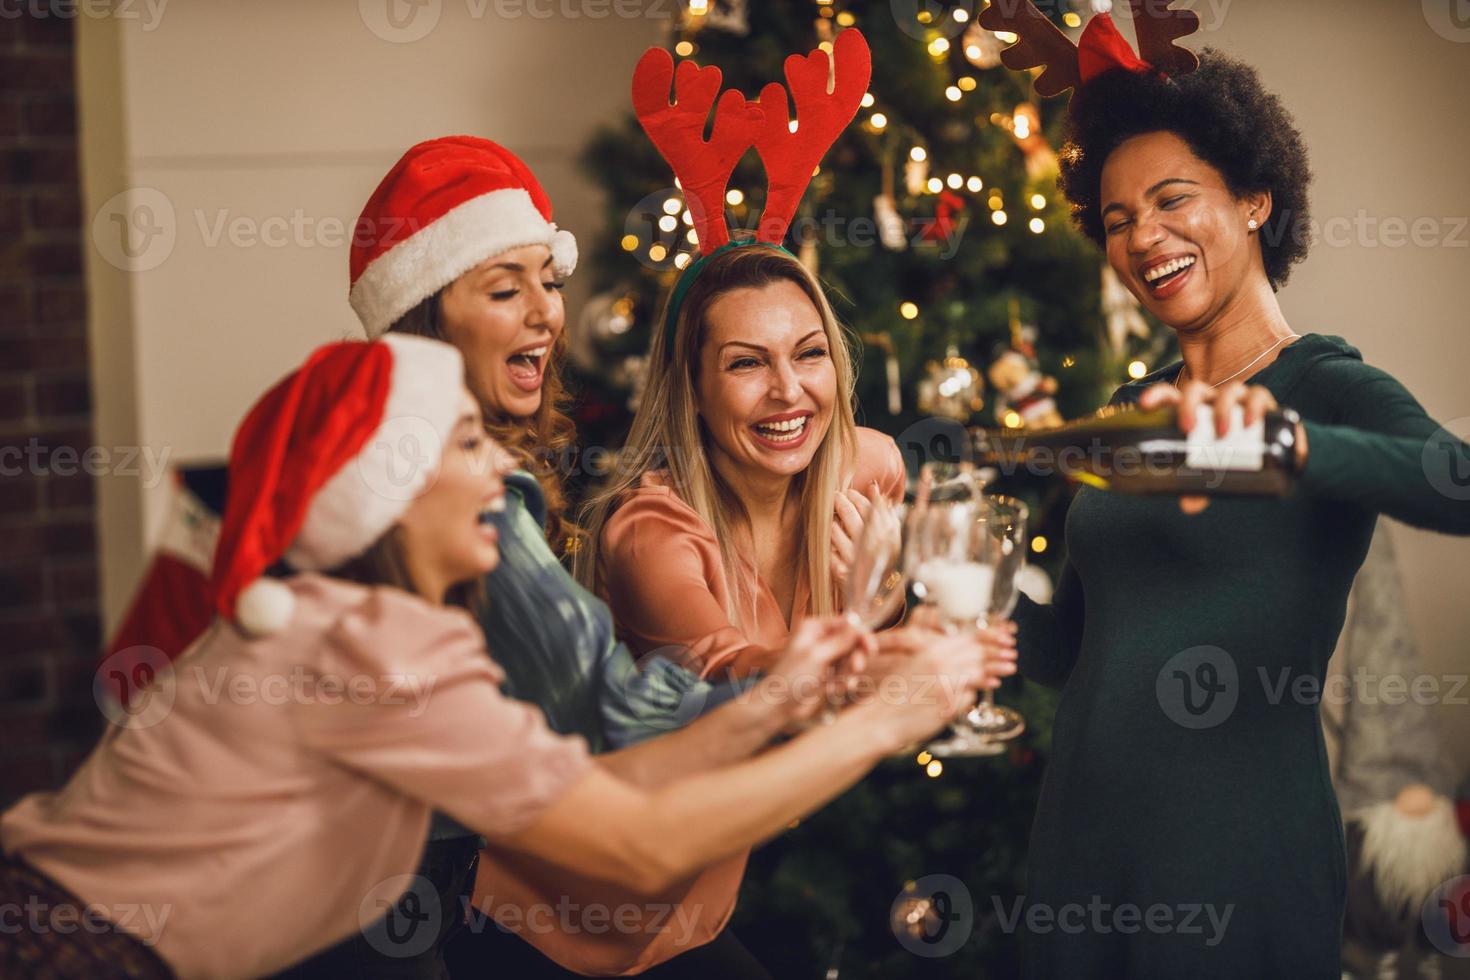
x=743 y=462
x=745 y=481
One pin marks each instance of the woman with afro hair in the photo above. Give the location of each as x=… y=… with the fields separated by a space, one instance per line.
x=1187 y=826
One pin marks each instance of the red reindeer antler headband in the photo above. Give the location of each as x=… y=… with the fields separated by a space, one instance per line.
x=1040 y=43
x=790 y=156
x=790 y=152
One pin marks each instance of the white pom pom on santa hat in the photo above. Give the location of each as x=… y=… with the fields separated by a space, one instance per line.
x=265 y=607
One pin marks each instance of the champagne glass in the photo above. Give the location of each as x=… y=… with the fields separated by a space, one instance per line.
x=963 y=552
x=875 y=584
x=875 y=580
x=1001 y=533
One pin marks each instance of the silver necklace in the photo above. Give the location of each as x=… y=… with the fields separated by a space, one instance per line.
x=1237 y=374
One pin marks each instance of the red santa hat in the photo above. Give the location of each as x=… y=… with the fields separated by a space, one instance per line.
x=326 y=462
x=446 y=206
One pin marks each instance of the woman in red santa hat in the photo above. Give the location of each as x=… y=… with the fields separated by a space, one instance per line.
x=457 y=243
x=272 y=794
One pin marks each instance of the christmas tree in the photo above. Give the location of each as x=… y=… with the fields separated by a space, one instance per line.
x=937 y=226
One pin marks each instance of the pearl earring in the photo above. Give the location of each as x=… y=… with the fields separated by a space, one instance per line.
x=1251 y=224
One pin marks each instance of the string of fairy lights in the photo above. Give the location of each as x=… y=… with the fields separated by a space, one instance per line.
x=673 y=242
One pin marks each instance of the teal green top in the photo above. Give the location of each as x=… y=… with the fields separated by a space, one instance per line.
x=555 y=642
x=1187 y=767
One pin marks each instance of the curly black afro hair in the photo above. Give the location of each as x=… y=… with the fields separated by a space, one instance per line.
x=1228 y=120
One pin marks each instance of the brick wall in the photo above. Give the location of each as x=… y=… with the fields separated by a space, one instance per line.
x=49 y=612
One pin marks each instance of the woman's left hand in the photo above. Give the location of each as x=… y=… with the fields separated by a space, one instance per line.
x=850 y=513
x=1255 y=401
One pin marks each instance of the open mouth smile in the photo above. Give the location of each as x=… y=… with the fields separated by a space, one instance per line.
x=527 y=367
x=785 y=431
x=1165 y=278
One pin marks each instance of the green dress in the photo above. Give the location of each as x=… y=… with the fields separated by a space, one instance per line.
x=1187 y=825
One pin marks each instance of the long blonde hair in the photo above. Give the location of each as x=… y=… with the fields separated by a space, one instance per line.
x=667 y=434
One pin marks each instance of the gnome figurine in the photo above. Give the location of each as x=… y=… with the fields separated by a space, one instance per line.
x=1393 y=781
x=1020 y=387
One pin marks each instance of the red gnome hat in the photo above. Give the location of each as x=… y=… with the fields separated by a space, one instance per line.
x=326 y=462
x=446 y=206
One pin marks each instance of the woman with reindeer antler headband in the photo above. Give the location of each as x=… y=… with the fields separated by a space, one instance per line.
x=745 y=481
x=1188 y=777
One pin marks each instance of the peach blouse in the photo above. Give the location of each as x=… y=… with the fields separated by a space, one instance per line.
x=259 y=772
x=661 y=572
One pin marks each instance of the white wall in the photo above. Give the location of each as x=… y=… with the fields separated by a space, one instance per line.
x=291 y=111
x=278 y=107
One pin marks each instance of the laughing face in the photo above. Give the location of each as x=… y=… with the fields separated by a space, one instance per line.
x=505 y=315
x=1176 y=235
x=447 y=532
x=767 y=383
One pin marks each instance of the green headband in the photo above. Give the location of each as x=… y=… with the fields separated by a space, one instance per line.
x=676 y=301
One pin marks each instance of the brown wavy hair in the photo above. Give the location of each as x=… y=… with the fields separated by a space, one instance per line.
x=539 y=441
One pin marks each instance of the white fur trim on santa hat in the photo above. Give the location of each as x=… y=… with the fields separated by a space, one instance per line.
x=363 y=499
x=439 y=253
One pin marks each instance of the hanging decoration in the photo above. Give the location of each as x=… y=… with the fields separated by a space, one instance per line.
x=604 y=317
x=1023 y=395
x=883 y=340
x=916 y=174
x=892 y=232
x=632 y=374
x=1122 y=312
x=951 y=388
x=942 y=228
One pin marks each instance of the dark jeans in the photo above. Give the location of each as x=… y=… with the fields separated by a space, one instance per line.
x=82 y=952
x=483 y=951
x=408 y=942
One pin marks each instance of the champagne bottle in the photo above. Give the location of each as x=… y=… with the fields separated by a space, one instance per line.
x=1131 y=450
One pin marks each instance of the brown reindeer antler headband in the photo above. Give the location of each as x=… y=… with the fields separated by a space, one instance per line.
x=1040 y=43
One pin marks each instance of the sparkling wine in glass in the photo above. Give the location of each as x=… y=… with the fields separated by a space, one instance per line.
x=963 y=552
x=1001 y=530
